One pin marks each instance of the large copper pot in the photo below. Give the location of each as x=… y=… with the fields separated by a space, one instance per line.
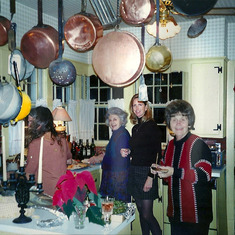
x=5 y=25
x=137 y=12
x=118 y=58
x=82 y=31
x=40 y=45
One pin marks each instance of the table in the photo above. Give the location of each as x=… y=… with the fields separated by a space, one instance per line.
x=8 y=227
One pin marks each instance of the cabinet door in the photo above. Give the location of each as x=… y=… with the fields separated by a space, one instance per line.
x=97 y=178
x=207 y=98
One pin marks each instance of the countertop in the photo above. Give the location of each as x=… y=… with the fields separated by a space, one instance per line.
x=216 y=172
x=7 y=226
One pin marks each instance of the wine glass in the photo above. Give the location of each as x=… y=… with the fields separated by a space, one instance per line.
x=107 y=209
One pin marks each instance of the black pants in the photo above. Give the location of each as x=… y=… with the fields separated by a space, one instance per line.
x=178 y=228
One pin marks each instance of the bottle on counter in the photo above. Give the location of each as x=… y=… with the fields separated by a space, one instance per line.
x=92 y=146
x=88 y=149
x=80 y=146
x=84 y=151
x=73 y=149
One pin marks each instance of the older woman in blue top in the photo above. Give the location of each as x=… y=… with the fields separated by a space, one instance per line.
x=115 y=167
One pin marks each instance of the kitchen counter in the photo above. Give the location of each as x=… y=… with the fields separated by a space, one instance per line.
x=216 y=172
x=8 y=227
x=116 y=226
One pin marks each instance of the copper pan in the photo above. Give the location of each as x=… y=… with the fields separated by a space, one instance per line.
x=40 y=45
x=118 y=58
x=82 y=31
x=137 y=12
x=5 y=25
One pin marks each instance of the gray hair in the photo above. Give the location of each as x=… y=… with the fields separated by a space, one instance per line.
x=116 y=111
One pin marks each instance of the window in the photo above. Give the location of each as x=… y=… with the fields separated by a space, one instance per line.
x=65 y=93
x=30 y=86
x=101 y=92
x=163 y=88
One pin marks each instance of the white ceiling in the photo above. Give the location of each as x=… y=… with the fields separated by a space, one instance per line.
x=71 y=7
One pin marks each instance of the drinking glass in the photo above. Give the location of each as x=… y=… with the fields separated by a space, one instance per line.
x=79 y=216
x=107 y=209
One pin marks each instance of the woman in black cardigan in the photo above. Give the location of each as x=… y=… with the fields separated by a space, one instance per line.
x=145 y=146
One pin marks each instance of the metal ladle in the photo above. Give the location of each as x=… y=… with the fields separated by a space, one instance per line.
x=62 y=72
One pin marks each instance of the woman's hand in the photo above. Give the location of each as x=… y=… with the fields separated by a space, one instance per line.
x=96 y=159
x=125 y=152
x=148 y=184
x=165 y=171
x=162 y=171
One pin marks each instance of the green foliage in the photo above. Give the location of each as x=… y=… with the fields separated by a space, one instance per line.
x=94 y=215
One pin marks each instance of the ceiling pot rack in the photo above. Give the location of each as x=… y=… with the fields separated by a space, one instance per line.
x=105 y=12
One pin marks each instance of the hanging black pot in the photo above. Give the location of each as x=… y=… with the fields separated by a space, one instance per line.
x=62 y=72
x=193 y=7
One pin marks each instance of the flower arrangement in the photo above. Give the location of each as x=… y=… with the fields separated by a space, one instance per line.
x=72 y=190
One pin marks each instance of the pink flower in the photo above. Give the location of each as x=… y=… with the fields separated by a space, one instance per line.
x=68 y=184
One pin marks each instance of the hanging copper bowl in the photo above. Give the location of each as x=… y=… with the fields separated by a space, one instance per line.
x=118 y=58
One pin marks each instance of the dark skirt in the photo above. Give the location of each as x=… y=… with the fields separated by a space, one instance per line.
x=136 y=181
x=114 y=183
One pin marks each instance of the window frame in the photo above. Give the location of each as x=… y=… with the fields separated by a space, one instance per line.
x=163 y=105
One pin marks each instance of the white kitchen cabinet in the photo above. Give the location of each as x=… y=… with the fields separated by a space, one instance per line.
x=207 y=95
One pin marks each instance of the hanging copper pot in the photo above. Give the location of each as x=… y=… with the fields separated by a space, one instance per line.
x=158 y=57
x=40 y=45
x=118 y=58
x=137 y=12
x=5 y=25
x=82 y=31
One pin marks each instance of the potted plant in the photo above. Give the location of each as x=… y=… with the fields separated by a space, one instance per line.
x=72 y=190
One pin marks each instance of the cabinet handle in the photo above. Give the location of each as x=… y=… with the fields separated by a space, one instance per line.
x=218 y=128
x=220 y=69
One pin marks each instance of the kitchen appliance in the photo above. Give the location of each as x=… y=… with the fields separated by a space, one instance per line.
x=218 y=156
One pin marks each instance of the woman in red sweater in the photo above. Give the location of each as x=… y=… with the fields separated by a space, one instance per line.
x=186 y=168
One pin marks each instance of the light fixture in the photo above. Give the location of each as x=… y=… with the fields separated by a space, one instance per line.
x=168 y=27
x=60 y=116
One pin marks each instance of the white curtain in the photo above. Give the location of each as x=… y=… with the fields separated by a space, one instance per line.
x=116 y=103
x=56 y=103
x=73 y=125
x=41 y=102
x=86 y=119
x=15 y=138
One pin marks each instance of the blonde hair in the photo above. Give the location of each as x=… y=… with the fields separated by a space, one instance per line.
x=148 y=114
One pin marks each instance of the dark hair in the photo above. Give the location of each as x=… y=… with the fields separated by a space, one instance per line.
x=180 y=106
x=116 y=111
x=148 y=114
x=42 y=122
